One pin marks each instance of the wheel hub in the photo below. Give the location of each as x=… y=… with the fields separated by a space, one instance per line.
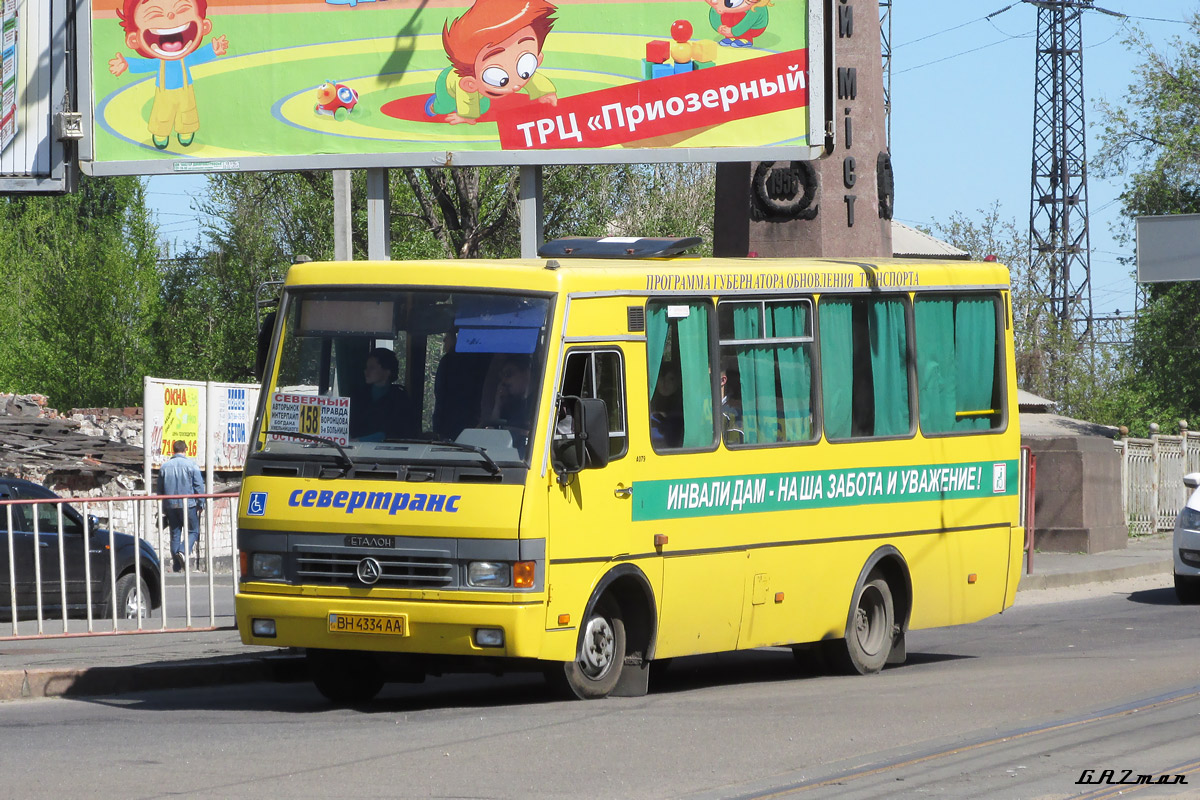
x=599 y=644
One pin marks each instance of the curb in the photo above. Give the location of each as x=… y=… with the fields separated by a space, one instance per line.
x=1064 y=580
x=90 y=681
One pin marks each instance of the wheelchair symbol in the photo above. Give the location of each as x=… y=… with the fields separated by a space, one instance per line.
x=257 y=506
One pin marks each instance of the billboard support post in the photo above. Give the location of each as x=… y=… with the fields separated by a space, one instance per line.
x=529 y=209
x=379 y=215
x=343 y=241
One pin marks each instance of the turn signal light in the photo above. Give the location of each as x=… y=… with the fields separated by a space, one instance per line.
x=523 y=574
x=244 y=562
x=779 y=597
x=972 y=578
x=564 y=620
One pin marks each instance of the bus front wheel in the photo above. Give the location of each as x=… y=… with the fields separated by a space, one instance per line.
x=600 y=656
x=869 y=631
x=345 y=677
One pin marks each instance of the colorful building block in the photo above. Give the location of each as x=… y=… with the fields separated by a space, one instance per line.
x=703 y=50
x=703 y=64
x=658 y=52
x=663 y=70
x=687 y=66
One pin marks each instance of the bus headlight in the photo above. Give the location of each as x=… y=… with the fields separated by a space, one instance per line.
x=494 y=574
x=266 y=565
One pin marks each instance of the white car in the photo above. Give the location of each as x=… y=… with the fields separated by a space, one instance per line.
x=1186 y=544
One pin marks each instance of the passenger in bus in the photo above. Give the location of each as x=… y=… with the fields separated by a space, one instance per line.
x=666 y=410
x=381 y=409
x=731 y=409
x=511 y=404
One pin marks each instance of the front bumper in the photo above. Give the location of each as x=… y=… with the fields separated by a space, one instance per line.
x=1185 y=539
x=433 y=627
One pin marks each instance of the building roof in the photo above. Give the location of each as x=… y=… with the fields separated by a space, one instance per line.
x=909 y=242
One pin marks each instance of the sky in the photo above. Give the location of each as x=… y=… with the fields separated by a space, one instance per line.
x=962 y=120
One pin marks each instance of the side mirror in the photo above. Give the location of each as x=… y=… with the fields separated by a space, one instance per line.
x=1192 y=480
x=93 y=522
x=264 y=344
x=580 y=436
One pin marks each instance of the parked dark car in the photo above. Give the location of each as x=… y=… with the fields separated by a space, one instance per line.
x=98 y=554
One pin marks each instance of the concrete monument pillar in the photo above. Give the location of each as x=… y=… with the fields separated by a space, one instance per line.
x=841 y=204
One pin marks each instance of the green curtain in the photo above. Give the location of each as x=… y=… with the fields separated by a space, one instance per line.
x=795 y=369
x=756 y=372
x=692 y=331
x=975 y=361
x=656 y=341
x=837 y=367
x=889 y=366
x=937 y=368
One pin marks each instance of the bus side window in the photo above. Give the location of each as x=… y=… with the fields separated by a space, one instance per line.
x=680 y=375
x=600 y=374
x=864 y=367
x=766 y=371
x=959 y=384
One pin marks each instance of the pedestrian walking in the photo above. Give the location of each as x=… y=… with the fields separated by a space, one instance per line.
x=180 y=475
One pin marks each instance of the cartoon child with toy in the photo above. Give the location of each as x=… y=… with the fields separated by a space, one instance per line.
x=495 y=49
x=167 y=34
x=739 y=21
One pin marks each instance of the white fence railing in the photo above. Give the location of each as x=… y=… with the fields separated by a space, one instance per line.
x=79 y=566
x=1152 y=470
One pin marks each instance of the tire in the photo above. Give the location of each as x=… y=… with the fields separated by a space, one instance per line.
x=341 y=114
x=599 y=657
x=127 y=599
x=1187 y=589
x=869 y=632
x=345 y=677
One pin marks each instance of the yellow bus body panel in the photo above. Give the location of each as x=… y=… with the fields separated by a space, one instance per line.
x=716 y=582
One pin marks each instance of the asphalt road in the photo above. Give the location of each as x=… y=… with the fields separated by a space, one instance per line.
x=1017 y=706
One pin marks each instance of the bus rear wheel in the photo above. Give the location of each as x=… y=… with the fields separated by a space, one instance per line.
x=599 y=658
x=345 y=677
x=869 y=631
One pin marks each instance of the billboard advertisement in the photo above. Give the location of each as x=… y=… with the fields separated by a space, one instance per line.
x=228 y=85
x=33 y=90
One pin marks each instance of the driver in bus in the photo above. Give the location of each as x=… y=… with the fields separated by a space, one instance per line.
x=511 y=404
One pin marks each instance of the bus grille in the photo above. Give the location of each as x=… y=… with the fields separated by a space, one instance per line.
x=399 y=570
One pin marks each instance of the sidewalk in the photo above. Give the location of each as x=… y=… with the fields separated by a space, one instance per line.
x=114 y=664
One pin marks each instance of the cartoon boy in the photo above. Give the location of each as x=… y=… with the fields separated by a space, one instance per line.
x=168 y=34
x=494 y=49
x=739 y=21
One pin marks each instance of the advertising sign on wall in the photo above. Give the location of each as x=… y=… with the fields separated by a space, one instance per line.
x=226 y=85
x=213 y=419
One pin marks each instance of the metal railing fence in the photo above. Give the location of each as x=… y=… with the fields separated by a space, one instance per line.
x=1152 y=470
x=68 y=564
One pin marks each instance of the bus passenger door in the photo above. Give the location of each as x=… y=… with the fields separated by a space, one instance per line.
x=590 y=517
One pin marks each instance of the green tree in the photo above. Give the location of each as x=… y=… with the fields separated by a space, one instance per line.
x=1152 y=139
x=88 y=286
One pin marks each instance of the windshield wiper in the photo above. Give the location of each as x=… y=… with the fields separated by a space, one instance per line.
x=492 y=466
x=349 y=462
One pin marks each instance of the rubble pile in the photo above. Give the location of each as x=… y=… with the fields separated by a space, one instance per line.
x=89 y=453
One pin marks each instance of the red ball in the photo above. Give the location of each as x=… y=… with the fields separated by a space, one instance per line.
x=681 y=31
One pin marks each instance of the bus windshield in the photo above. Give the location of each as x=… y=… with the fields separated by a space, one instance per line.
x=406 y=376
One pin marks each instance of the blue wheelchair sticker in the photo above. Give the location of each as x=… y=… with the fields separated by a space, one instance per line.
x=257 y=506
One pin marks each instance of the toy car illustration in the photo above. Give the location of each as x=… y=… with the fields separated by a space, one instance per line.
x=335 y=99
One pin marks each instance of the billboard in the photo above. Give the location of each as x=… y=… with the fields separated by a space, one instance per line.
x=231 y=85
x=1168 y=248
x=34 y=89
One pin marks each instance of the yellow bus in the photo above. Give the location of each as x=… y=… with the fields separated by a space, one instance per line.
x=613 y=455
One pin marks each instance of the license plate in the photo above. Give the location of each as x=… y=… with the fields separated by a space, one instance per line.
x=369 y=623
